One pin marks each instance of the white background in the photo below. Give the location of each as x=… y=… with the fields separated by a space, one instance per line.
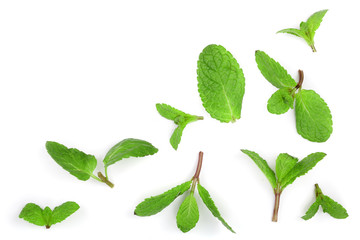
x=88 y=74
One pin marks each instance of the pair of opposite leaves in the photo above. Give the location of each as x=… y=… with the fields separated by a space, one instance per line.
x=221 y=85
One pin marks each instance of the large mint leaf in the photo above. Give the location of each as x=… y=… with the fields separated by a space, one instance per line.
x=314 y=21
x=205 y=196
x=263 y=165
x=153 y=205
x=302 y=168
x=129 y=147
x=313 y=116
x=60 y=213
x=77 y=163
x=281 y=101
x=273 y=71
x=284 y=163
x=33 y=214
x=333 y=208
x=221 y=83
x=188 y=214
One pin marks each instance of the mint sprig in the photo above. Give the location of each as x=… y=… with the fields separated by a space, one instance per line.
x=313 y=116
x=288 y=168
x=47 y=217
x=180 y=118
x=307 y=29
x=188 y=213
x=221 y=83
x=328 y=205
x=82 y=165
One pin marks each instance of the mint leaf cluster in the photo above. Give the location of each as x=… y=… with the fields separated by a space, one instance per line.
x=287 y=169
x=313 y=116
x=188 y=213
x=180 y=118
x=82 y=165
x=307 y=29
x=221 y=83
x=328 y=205
x=47 y=217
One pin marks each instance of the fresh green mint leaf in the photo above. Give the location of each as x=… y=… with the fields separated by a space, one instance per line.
x=301 y=168
x=281 y=101
x=284 y=163
x=273 y=71
x=188 y=214
x=311 y=211
x=313 y=116
x=180 y=118
x=263 y=165
x=221 y=83
x=77 y=163
x=205 y=196
x=153 y=205
x=46 y=217
x=308 y=28
x=129 y=147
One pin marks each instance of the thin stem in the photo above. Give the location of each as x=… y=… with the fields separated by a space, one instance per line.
x=277 y=192
x=106 y=174
x=96 y=178
x=195 y=178
x=318 y=191
x=105 y=180
x=301 y=79
x=313 y=47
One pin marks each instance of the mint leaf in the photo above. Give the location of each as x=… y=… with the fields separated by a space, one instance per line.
x=328 y=205
x=273 y=71
x=302 y=168
x=205 y=196
x=284 y=163
x=221 y=83
x=281 y=101
x=153 y=205
x=36 y=215
x=33 y=214
x=311 y=211
x=263 y=165
x=77 y=163
x=179 y=117
x=308 y=28
x=188 y=214
x=129 y=147
x=313 y=116
x=60 y=213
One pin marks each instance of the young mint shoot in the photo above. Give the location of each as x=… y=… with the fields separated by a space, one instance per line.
x=312 y=114
x=308 y=28
x=82 y=165
x=288 y=168
x=47 y=217
x=328 y=205
x=180 y=118
x=188 y=213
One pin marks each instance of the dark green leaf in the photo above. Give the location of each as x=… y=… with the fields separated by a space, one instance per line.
x=333 y=208
x=311 y=211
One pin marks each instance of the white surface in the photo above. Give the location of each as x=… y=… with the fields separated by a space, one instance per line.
x=89 y=73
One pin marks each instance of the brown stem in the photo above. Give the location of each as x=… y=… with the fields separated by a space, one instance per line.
x=105 y=180
x=47 y=226
x=195 y=178
x=277 y=204
x=313 y=48
x=301 y=79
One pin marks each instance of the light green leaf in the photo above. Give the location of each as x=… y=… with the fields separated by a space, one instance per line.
x=47 y=214
x=77 y=163
x=311 y=211
x=221 y=83
x=281 y=101
x=153 y=205
x=302 y=168
x=293 y=31
x=60 y=213
x=205 y=196
x=273 y=71
x=168 y=112
x=263 y=165
x=313 y=116
x=129 y=147
x=314 y=21
x=33 y=214
x=188 y=214
x=333 y=208
x=284 y=163
x=176 y=136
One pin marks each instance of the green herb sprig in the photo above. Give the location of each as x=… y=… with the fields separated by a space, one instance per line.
x=82 y=165
x=188 y=213
x=287 y=169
